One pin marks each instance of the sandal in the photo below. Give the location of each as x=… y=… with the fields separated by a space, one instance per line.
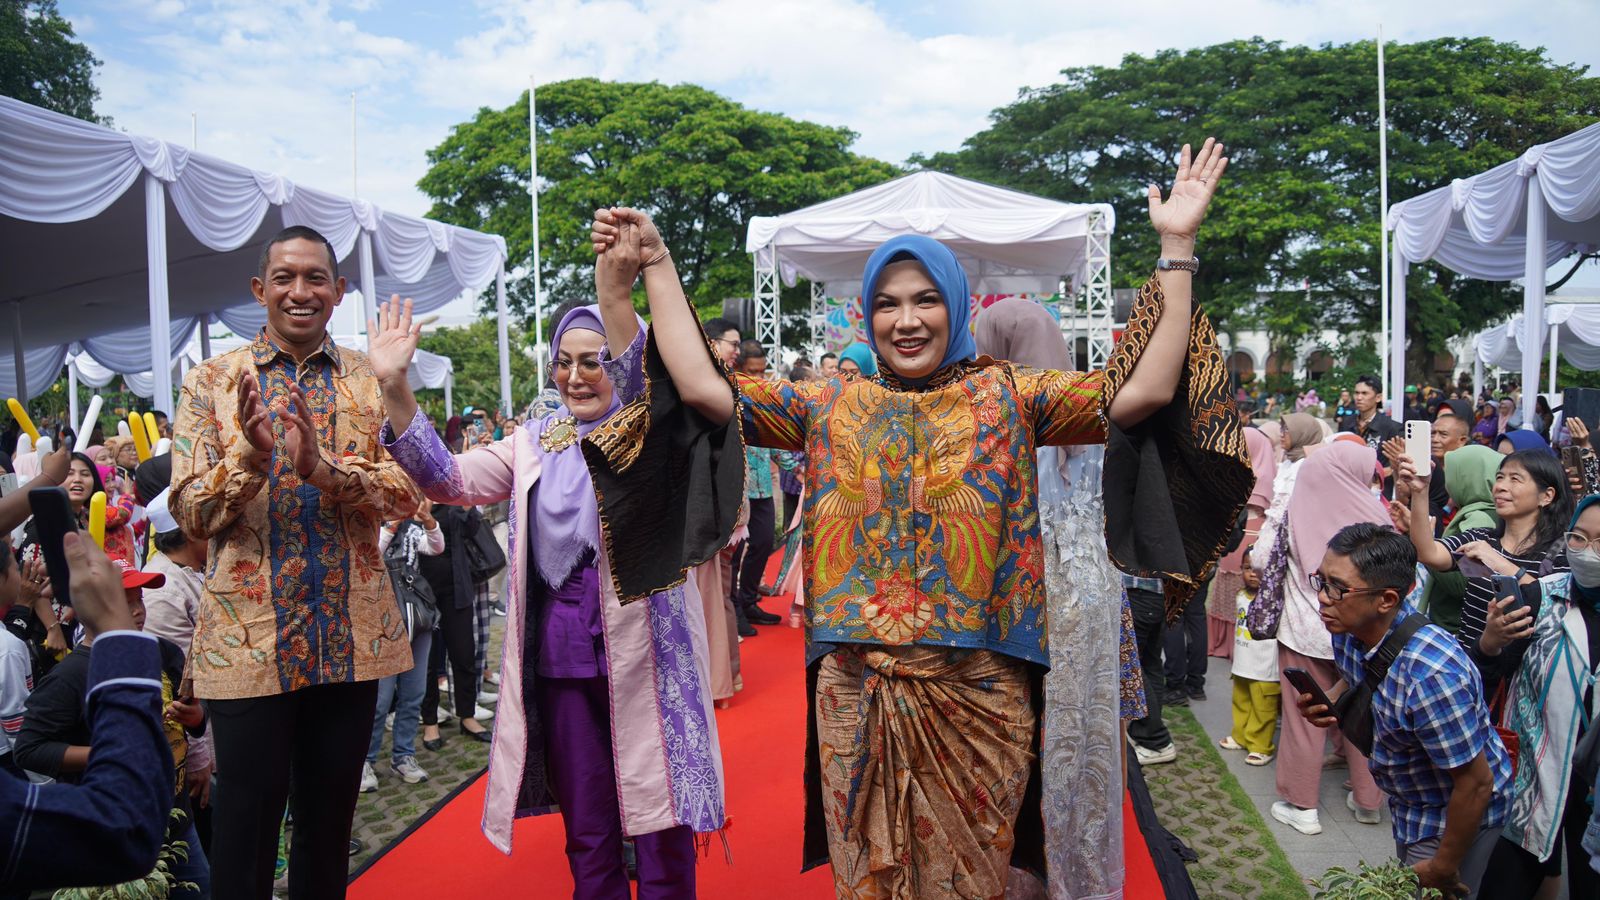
x=1228 y=743
x=1258 y=759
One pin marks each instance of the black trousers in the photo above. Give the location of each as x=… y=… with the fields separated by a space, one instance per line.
x=1186 y=647
x=1514 y=874
x=791 y=504
x=1149 y=622
x=320 y=735
x=750 y=560
x=453 y=641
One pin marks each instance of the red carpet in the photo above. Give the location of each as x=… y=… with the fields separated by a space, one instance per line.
x=763 y=743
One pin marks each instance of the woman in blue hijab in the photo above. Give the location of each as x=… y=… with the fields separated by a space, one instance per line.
x=1519 y=439
x=857 y=361
x=1551 y=654
x=927 y=629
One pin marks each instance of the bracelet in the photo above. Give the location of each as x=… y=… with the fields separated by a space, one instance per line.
x=664 y=254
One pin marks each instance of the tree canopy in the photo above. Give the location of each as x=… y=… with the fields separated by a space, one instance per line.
x=1301 y=200
x=42 y=62
x=700 y=164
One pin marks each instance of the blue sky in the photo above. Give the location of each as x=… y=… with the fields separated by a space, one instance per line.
x=270 y=84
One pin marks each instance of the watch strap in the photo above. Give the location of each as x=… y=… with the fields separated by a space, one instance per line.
x=1191 y=264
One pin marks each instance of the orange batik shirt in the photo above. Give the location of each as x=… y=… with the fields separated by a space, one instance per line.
x=296 y=591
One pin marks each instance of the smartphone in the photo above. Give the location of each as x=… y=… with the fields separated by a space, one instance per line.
x=1305 y=684
x=53 y=517
x=1419 y=446
x=1572 y=461
x=1507 y=586
x=1471 y=568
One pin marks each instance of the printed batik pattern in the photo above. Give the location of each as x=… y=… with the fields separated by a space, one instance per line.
x=923 y=523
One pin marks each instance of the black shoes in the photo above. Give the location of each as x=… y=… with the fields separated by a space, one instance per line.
x=758 y=616
x=485 y=736
x=745 y=628
x=435 y=745
x=1174 y=698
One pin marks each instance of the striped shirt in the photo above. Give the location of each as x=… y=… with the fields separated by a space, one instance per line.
x=16 y=683
x=1480 y=591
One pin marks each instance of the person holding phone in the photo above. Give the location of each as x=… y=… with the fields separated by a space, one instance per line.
x=1434 y=752
x=1548 y=661
x=1533 y=504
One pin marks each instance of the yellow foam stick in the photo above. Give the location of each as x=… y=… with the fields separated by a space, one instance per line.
x=152 y=431
x=97 y=518
x=141 y=441
x=25 y=423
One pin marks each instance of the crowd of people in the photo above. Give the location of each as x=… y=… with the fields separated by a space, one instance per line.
x=1004 y=570
x=1440 y=602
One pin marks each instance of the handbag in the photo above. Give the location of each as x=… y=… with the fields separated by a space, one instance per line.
x=1497 y=715
x=417 y=600
x=1353 y=709
x=1266 y=610
x=485 y=559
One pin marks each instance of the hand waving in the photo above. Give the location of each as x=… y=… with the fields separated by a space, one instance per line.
x=394 y=340
x=1177 y=220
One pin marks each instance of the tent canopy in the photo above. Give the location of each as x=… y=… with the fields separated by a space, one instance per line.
x=1512 y=221
x=1008 y=242
x=90 y=260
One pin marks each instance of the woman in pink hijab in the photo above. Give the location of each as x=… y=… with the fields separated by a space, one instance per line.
x=1221 y=609
x=1333 y=490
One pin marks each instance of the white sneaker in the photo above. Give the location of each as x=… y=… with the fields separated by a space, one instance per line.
x=408 y=770
x=1364 y=816
x=388 y=722
x=446 y=715
x=487 y=697
x=1166 y=754
x=369 y=778
x=481 y=714
x=1304 y=821
x=492 y=678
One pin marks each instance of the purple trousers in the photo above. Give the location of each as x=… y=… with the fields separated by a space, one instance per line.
x=577 y=724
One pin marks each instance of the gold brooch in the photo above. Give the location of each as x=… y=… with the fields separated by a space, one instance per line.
x=559 y=435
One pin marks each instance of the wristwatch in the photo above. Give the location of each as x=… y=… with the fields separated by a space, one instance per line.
x=1191 y=265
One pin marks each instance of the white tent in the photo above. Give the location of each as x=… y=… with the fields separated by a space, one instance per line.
x=1008 y=242
x=92 y=262
x=1571 y=329
x=1512 y=221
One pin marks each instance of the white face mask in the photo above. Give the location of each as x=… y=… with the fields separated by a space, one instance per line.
x=1585 y=566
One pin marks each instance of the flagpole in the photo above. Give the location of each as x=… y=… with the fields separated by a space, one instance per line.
x=1395 y=390
x=533 y=192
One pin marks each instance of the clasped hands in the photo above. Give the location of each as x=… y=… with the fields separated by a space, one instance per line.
x=299 y=434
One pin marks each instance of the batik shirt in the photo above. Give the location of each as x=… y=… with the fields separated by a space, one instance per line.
x=296 y=591
x=922 y=523
x=757 y=473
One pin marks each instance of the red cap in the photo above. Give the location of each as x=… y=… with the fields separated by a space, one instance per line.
x=133 y=578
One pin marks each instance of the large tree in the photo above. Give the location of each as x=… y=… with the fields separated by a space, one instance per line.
x=699 y=163
x=1301 y=203
x=42 y=62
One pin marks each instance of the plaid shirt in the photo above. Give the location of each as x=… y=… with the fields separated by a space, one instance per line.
x=1428 y=717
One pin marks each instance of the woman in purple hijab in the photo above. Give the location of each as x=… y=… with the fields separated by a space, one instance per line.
x=605 y=709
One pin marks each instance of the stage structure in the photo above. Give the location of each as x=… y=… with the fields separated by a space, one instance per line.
x=92 y=266
x=1007 y=241
x=1512 y=221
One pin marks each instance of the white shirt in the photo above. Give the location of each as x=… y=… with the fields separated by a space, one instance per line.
x=16 y=683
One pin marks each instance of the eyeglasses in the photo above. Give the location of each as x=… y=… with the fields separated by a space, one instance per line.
x=729 y=342
x=1336 y=593
x=1578 y=542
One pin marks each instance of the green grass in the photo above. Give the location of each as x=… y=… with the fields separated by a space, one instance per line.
x=1202 y=803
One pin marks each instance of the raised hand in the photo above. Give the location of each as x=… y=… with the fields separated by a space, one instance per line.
x=607 y=230
x=618 y=246
x=393 y=341
x=1177 y=219
x=254 y=420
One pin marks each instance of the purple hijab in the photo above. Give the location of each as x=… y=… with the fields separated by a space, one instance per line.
x=566 y=519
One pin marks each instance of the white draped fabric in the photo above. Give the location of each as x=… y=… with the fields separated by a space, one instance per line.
x=1578 y=338
x=1512 y=221
x=1008 y=242
x=90 y=279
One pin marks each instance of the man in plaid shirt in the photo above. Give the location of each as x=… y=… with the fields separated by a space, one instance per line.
x=1434 y=752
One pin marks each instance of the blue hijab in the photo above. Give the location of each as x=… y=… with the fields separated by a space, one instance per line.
x=1523 y=439
x=948 y=276
x=1590 y=596
x=861 y=355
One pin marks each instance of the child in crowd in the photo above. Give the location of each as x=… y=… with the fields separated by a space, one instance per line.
x=1255 y=685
